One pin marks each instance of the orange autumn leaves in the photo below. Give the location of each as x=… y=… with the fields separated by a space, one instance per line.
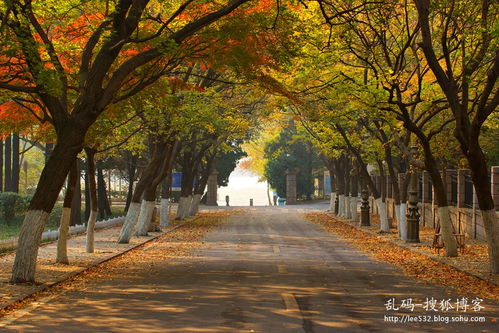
x=412 y=263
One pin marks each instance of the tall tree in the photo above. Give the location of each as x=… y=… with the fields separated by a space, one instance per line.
x=115 y=45
x=1 y=164
x=16 y=167
x=467 y=43
x=8 y=164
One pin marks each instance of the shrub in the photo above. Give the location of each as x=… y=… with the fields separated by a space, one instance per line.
x=12 y=204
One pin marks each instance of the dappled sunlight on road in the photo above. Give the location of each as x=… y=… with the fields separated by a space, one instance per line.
x=265 y=271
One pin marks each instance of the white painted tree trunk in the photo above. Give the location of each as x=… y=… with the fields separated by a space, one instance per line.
x=62 y=248
x=196 y=200
x=164 y=213
x=446 y=231
x=489 y=219
x=183 y=206
x=403 y=221
x=187 y=207
x=27 y=248
x=92 y=219
x=348 y=207
x=341 y=205
x=129 y=224
x=384 y=226
x=400 y=212
x=353 y=209
x=145 y=217
x=331 y=202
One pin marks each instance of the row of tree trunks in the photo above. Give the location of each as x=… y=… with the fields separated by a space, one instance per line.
x=468 y=124
x=157 y=155
x=159 y=167
x=10 y=167
x=432 y=167
x=149 y=198
x=69 y=144
x=384 y=225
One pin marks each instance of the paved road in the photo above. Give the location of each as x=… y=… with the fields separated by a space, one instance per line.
x=267 y=270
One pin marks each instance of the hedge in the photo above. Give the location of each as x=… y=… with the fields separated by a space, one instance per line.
x=12 y=204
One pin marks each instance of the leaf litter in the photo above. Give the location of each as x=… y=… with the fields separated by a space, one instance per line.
x=412 y=263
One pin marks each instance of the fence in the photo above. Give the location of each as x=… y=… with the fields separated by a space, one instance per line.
x=52 y=235
x=464 y=211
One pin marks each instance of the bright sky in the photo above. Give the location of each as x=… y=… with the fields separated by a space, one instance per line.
x=244 y=185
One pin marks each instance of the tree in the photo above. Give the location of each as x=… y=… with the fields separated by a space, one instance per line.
x=290 y=152
x=101 y=78
x=468 y=46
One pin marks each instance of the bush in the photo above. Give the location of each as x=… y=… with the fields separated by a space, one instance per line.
x=12 y=204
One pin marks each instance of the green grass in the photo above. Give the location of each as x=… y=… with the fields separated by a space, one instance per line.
x=11 y=229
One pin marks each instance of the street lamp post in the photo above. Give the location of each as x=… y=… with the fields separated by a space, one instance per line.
x=364 y=209
x=413 y=211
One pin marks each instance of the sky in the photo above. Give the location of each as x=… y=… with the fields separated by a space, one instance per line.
x=243 y=186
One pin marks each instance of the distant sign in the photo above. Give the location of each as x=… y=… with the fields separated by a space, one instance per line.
x=327 y=185
x=176 y=181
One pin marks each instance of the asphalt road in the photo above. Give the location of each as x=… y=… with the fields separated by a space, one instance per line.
x=267 y=270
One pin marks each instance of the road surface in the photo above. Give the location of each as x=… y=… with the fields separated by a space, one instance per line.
x=266 y=270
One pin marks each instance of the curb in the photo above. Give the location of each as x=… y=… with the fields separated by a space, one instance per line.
x=411 y=248
x=49 y=285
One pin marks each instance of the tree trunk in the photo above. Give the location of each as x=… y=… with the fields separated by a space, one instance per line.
x=87 y=196
x=16 y=167
x=198 y=194
x=49 y=147
x=69 y=144
x=441 y=200
x=145 y=216
x=92 y=189
x=382 y=183
x=354 y=198
x=196 y=200
x=8 y=164
x=332 y=183
x=268 y=194
x=348 y=212
x=201 y=186
x=164 y=210
x=76 y=203
x=185 y=201
x=340 y=188
x=132 y=168
x=62 y=251
x=1 y=164
x=102 y=198
x=479 y=175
